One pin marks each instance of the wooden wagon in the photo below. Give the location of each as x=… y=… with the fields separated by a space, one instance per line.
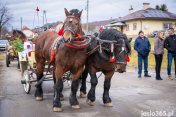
x=28 y=68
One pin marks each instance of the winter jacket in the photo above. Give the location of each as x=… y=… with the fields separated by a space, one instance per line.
x=170 y=44
x=142 y=46
x=159 y=46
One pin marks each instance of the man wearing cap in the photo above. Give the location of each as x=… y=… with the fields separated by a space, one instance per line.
x=170 y=45
x=142 y=46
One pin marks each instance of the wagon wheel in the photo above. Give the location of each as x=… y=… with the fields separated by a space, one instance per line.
x=25 y=82
x=7 y=60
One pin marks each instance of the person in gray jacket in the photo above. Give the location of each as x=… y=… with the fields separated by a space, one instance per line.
x=158 y=52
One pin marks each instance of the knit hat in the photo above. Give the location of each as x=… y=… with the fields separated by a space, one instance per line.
x=140 y=32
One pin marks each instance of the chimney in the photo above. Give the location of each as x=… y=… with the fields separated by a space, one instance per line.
x=131 y=10
x=146 y=6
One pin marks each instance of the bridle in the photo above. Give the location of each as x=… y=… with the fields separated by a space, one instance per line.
x=78 y=41
x=115 y=43
x=71 y=29
x=123 y=49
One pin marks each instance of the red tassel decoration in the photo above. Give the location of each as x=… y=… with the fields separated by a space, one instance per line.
x=112 y=58
x=52 y=55
x=61 y=32
x=37 y=9
x=127 y=58
x=78 y=35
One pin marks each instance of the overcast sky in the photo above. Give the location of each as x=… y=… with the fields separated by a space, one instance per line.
x=99 y=9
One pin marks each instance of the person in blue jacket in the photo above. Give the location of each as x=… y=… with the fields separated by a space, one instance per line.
x=142 y=46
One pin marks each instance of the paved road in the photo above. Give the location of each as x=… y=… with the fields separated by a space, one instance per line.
x=132 y=97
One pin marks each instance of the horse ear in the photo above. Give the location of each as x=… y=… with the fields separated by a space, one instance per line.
x=66 y=12
x=80 y=13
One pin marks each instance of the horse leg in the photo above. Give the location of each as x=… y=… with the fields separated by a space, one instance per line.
x=91 y=94
x=54 y=79
x=58 y=90
x=74 y=88
x=40 y=69
x=107 y=83
x=83 y=84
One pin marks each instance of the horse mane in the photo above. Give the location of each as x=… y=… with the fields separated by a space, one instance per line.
x=20 y=33
x=114 y=35
x=74 y=12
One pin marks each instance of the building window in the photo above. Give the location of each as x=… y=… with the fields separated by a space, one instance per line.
x=127 y=27
x=167 y=26
x=134 y=26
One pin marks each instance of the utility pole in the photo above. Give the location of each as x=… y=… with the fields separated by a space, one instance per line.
x=44 y=20
x=87 y=16
x=21 y=23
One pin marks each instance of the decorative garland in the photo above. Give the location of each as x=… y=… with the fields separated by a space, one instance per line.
x=17 y=43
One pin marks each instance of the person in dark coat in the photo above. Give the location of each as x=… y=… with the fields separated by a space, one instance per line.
x=142 y=46
x=158 y=52
x=170 y=45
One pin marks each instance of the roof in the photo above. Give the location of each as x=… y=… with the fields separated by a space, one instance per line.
x=116 y=24
x=149 y=13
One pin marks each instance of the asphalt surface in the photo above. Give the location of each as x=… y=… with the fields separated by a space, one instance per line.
x=131 y=96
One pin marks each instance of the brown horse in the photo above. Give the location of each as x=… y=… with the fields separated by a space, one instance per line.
x=70 y=56
x=16 y=34
x=99 y=61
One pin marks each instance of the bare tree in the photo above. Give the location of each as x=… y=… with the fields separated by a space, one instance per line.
x=5 y=16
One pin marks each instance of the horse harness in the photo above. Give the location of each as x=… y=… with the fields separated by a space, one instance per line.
x=105 y=50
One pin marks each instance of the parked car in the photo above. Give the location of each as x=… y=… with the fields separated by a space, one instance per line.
x=3 y=44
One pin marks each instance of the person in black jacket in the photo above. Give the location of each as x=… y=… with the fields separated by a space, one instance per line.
x=170 y=45
x=142 y=46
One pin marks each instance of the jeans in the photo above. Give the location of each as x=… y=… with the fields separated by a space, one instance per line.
x=170 y=56
x=158 y=60
x=140 y=59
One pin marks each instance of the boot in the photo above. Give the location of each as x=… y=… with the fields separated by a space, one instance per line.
x=147 y=75
x=170 y=77
x=139 y=76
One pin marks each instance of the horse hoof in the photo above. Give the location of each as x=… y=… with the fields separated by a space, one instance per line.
x=82 y=95
x=75 y=106
x=90 y=102
x=39 y=98
x=108 y=104
x=57 y=109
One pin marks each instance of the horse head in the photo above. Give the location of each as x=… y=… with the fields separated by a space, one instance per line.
x=17 y=34
x=121 y=47
x=121 y=54
x=72 y=25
